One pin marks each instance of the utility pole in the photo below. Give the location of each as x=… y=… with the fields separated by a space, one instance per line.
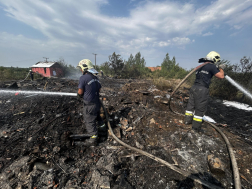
x=95 y=59
x=45 y=58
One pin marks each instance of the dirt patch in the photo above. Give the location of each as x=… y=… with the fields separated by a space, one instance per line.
x=36 y=151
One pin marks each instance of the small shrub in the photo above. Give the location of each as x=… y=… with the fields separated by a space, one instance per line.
x=12 y=73
x=162 y=84
x=221 y=88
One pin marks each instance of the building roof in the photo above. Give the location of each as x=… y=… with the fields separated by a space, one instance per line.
x=43 y=64
x=154 y=68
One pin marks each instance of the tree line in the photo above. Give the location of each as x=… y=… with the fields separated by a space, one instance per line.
x=135 y=67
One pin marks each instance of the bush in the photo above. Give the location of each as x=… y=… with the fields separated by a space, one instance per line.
x=241 y=74
x=162 y=84
x=223 y=89
x=12 y=73
x=165 y=84
x=171 y=69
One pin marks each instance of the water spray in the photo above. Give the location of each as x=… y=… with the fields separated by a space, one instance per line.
x=238 y=86
x=38 y=93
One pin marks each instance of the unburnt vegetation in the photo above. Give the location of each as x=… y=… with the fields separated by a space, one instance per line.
x=242 y=74
x=12 y=73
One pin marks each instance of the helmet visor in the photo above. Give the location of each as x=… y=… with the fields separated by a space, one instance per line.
x=217 y=58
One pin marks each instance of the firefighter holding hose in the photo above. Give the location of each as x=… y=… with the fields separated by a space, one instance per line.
x=31 y=74
x=199 y=92
x=88 y=89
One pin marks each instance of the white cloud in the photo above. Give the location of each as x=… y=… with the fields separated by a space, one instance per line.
x=176 y=41
x=181 y=41
x=207 y=34
x=31 y=46
x=164 y=43
x=80 y=24
x=222 y=11
x=150 y=20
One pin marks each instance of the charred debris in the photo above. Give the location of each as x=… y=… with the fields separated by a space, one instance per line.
x=36 y=151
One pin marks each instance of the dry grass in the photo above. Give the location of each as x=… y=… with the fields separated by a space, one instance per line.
x=165 y=84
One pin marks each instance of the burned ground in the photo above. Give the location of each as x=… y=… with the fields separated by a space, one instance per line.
x=36 y=151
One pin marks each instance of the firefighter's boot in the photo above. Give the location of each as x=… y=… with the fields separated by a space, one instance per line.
x=196 y=125
x=188 y=119
x=102 y=130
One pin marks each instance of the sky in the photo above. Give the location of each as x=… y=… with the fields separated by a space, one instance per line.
x=31 y=31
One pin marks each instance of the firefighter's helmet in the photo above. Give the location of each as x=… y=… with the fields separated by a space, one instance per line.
x=86 y=65
x=213 y=56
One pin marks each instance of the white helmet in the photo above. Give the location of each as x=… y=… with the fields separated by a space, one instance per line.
x=213 y=56
x=86 y=65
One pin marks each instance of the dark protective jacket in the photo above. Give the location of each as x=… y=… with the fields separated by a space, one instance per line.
x=91 y=111
x=205 y=74
x=91 y=86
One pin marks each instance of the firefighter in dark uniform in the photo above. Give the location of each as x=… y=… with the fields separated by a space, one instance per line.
x=31 y=75
x=199 y=92
x=89 y=88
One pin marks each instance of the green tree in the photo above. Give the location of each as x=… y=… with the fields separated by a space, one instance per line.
x=245 y=65
x=130 y=69
x=135 y=67
x=114 y=66
x=140 y=64
x=105 y=68
x=168 y=64
x=171 y=69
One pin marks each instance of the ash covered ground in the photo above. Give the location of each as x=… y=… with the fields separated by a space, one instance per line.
x=36 y=151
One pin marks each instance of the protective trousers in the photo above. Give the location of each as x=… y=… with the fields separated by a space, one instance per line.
x=197 y=105
x=91 y=114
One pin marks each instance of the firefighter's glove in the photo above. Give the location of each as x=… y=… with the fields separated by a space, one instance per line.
x=79 y=96
x=222 y=66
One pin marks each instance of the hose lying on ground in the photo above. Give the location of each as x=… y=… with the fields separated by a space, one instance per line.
x=184 y=173
x=236 y=174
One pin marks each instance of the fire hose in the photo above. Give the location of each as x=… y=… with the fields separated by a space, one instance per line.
x=182 y=172
x=25 y=77
x=236 y=174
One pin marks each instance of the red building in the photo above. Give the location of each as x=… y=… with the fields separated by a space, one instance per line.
x=48 y=69
x=154 y=68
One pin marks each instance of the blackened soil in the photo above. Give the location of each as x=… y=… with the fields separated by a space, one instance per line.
x=36 y=151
